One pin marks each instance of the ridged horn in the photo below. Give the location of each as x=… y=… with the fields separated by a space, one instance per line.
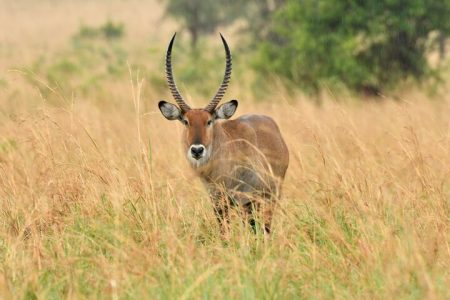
x=226 y=79
x=170 y=80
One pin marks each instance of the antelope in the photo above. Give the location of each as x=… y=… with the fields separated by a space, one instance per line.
x=242 y=162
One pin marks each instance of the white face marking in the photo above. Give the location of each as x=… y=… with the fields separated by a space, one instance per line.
x=204 y=157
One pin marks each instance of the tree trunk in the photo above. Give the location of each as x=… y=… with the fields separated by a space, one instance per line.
x=194 y=25
x=194 y=37
x=441 y=41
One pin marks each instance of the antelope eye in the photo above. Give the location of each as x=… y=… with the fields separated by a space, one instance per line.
x=209 y=123
x=185 y=122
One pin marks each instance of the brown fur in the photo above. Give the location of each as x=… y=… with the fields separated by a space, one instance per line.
x=247 y=165
x=242 y=162
x=198 y=132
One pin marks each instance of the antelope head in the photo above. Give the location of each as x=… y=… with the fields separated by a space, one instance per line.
x=198 y=123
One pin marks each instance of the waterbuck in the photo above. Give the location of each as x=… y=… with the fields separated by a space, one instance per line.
x=242 y=162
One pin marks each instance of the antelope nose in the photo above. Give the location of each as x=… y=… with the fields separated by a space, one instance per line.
x=197 y=151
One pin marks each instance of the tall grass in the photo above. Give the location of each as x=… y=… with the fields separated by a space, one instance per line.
x=97 y=200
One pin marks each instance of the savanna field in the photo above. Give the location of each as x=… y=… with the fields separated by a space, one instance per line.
x=97 y=199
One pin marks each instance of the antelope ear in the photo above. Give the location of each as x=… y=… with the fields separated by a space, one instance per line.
x=226 y=110
x=169 y=111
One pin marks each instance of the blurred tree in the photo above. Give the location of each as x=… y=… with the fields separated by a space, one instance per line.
x=442 y=49
x=204 y=16
x=367 y=46
x=258 y=15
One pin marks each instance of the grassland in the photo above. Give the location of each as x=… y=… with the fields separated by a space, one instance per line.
x=97 y=200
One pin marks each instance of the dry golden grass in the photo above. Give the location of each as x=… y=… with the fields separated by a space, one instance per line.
x=97 y=201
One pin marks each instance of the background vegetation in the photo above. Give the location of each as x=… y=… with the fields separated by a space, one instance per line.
x=97 y=200
x=365 y=46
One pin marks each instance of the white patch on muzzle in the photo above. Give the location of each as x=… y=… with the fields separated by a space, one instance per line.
x=204 y=157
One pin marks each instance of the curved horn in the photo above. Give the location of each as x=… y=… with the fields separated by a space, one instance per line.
x=171 y=82
x=226 y=79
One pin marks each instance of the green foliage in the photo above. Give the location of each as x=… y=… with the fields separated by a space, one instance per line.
x=95 y=54
x=204 y=16
x=7 y=145
x=110 y=30
x=198 y=71
x=202 y=74
x=363 y=45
